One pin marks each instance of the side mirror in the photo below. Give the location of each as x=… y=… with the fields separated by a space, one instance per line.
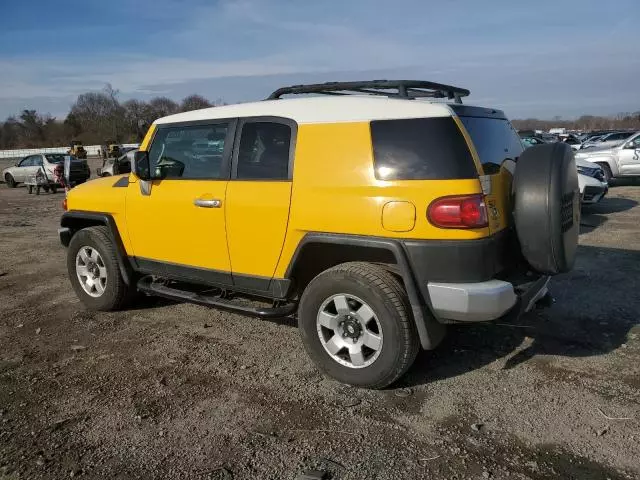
x=141 y=165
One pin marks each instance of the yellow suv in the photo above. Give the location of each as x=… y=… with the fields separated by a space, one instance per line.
x=377 y=212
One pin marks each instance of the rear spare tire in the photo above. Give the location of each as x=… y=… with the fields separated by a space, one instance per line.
x=547 y=207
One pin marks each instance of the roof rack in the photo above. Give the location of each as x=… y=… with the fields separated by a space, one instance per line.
x=408 y=89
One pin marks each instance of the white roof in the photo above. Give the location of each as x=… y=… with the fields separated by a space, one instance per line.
x=327 y=109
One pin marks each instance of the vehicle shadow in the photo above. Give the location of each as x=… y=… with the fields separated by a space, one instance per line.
x=610 y=205
x=596 y=306
x=594 y=216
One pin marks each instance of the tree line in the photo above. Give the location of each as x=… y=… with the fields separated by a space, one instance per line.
x=621 y=121
x=94 y=118
x=98 y=117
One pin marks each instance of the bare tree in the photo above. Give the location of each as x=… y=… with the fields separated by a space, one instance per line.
x=194 y=102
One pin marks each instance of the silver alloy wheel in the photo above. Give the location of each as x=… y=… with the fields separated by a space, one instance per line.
x=349 y=330
x=91 y=271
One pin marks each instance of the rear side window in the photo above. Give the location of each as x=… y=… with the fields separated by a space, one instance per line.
x=263 y=153
x=495 y=141
x=420 y=149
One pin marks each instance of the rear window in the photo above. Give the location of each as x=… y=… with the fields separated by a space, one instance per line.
x=495 y=141
x=420 y=149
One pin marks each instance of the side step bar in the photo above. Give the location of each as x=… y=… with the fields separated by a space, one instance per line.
x=148 y=285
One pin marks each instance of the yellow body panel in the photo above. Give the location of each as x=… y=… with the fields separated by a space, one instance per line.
x=166 y=226
x=99 y=195
x=257 y=214
x=261 y=223
x=335 y=190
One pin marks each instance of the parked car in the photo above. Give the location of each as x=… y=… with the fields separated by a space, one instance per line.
x=532 y=141
x=117 y=166
x=592 y=182
x=608 y=140
x=573 y=141
x=30 y=164
x=618 y=161
x=591 y=178
x=401 y=226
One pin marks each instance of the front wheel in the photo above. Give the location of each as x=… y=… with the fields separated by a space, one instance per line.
x=356 y=324
x=11 y=183
x=93 y=270
x=608 y=175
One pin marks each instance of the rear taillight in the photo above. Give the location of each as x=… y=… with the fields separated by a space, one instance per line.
x=468 y=211
x=64 y=204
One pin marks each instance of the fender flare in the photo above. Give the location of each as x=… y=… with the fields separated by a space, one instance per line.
x=77 y=220
x=430 y=330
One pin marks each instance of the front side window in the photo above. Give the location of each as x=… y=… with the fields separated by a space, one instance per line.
x=263 y=153
x=189 y=152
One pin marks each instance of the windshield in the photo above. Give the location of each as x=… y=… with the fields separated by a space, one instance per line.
x=495 y=141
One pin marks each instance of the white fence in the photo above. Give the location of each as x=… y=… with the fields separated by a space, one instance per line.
x=92 y=150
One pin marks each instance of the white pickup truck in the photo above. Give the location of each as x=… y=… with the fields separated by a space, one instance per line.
x=619 y=161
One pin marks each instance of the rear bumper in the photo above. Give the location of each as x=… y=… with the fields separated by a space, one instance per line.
x=484 y=301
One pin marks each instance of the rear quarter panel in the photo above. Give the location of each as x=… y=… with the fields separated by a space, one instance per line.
x=335 y=190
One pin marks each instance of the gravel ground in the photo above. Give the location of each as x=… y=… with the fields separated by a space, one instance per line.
x=171 y=390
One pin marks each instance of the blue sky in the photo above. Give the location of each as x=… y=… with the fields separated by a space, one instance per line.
x=536 y=58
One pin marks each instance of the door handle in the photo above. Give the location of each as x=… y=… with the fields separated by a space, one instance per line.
x=215 y=203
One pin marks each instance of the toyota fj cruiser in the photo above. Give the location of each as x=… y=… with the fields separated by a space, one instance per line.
x=377 y=212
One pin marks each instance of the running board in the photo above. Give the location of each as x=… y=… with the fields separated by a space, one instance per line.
x=148 y=285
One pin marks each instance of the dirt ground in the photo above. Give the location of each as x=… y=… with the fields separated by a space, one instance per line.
x=171 y=390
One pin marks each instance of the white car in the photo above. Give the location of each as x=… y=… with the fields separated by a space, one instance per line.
x=619 y=161
x=608 y=140
x=30 y=165
x=591 y=180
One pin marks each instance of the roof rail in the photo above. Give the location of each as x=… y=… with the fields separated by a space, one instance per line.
x=408 y=89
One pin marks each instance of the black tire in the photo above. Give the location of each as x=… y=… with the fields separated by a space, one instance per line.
x=54 y=189
x=547 y=207
x=11 y=183
x=106 y=174
x=386 y=296
x=116 y=293
x=608 y=175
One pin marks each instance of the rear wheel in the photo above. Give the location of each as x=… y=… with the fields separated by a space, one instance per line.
x=356 y=325
x=54 y=189
x=93 y=270
x=11 y=183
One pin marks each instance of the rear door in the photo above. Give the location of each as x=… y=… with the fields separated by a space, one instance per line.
x=497 y=147
x=258 y=199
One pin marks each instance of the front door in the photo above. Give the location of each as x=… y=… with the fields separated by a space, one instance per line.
x=177 y=227
x=258 y=199
x=629 y=157
x=26 y=168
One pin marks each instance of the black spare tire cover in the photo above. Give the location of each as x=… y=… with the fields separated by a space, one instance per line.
x=547 y=207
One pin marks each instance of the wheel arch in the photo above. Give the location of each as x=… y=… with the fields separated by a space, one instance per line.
x=613 y=165
x=78 y=220
x=319 y=251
